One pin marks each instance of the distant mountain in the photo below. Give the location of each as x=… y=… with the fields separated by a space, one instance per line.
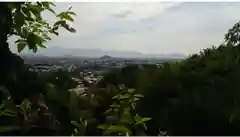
x=97 y=53
x=105 y=57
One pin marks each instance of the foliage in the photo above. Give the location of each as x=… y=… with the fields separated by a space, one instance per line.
x=20 y=119
x=61 y=78
x=232 y=37
x=196 y=96
x=128 y=76
x=29 y=26
x=121 y=116
x=60 y=112
x=201 y=92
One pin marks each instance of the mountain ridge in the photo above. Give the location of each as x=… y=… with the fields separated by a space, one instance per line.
x=97 y=53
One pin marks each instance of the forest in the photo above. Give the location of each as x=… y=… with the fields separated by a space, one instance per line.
x=195 y=96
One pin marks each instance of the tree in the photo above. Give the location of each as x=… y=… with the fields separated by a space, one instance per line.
x=232 y=37
x=24 y=20
x=26 y=110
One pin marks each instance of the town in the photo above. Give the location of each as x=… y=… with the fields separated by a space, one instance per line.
x=89 y=70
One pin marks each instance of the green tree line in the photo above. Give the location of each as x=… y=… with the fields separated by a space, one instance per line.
x=196 y=96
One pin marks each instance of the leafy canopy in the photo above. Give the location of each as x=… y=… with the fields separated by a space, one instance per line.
x=30 y=27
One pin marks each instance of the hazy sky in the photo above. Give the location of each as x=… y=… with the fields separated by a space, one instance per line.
x=148 y=27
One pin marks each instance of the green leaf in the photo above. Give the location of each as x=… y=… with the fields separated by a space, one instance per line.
x=39 y=3
x=42 y=22
x=14 y=5
x=36 y=10
x=8 y=112
x=142 y=120
x=115 y=97
x=20 y=41
x=47 y=6
x=51 y=10
x=108 y=110
x=68 y=28
x=27 y=13
x=72 y=13
x=42 y=46
x=4 y=89
x=235 y=116
x=46 y=37
x=60 y=22
x=115 y=106
x=119 y=128
x=76 y=124
x=8 y=128
x=124 y=96
x=35 y=49
x=56 y=33
x=19 y=19
x=24 y=32
x=71 y=30
x=11 y=6
x=131 y=90
x=64 y=15
x=138 y=95
x=51 y=3
x=69 y=8
x=125 y=119
x=31 y=40
x=103 y=126
x=10 y=105
x=21 y=46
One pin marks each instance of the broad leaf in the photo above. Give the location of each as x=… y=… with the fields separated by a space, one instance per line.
x=103 y=126
x=21 y=46
x=8 y=112
x=47 y=6
x=64 y=15
x=142 y=120
x=19 y=19
x=71 y=13
x=36 y=10
x=119 y=128
x=60 y=22
x=76 y=124
x=66 y=26
x=138 y=95
x=42 y=46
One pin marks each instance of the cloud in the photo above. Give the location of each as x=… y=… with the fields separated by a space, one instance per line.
x=122 y=14
x=138 y=11
x=162 y=27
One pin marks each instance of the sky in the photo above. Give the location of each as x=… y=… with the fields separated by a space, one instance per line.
x=151 y=28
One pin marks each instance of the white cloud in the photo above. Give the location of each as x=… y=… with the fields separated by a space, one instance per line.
x=148 y=27
x=138 y=11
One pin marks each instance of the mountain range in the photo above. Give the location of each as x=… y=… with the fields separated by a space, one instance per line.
x=97 y=53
